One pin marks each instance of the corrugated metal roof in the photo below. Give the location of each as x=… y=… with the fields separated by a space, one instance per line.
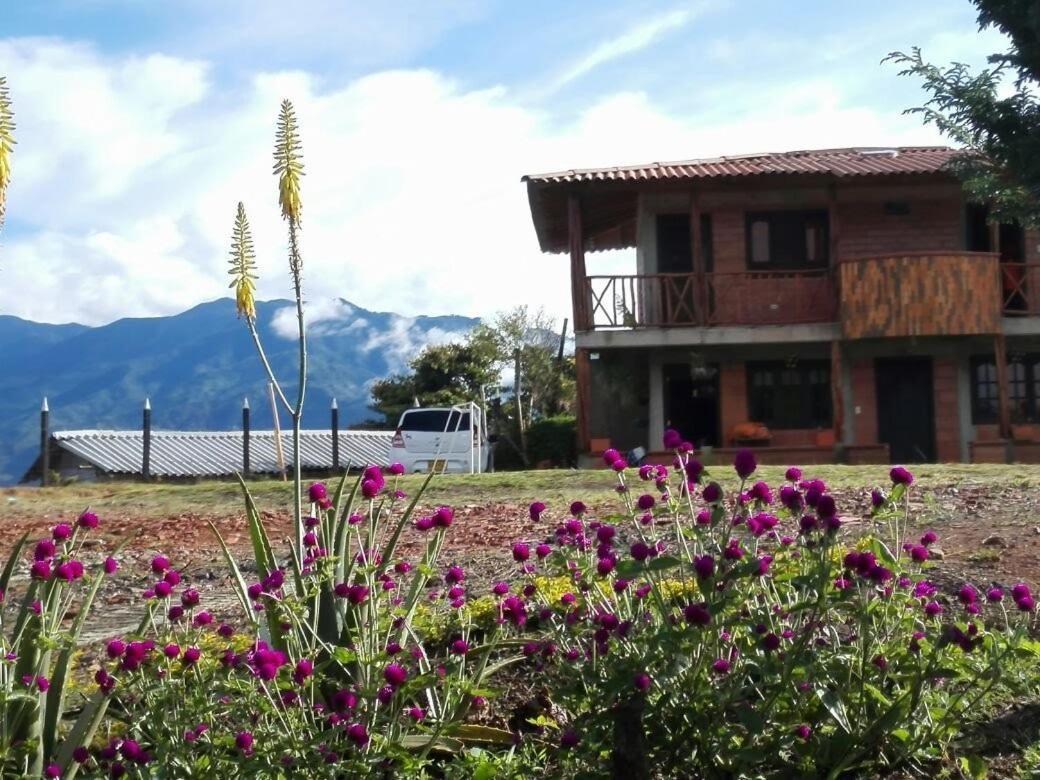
x=219 y=453
x=859 y=161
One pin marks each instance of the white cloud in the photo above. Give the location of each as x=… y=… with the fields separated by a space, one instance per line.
x=128 y=170
x=636 y=39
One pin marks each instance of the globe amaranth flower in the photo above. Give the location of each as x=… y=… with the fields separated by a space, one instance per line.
x=61 y=532
x=521 y=552
x=569 y=739
x=40 y=570
x=443 y=517
x=967 y=594
x=619 y=465
x=645 y=502
x=454 y=575
x=642 y=682
x=697 y=614
x=803 y=732
x=704 y=566
x=171 y=650
x=744 y=463
x=163 y=589
x=370 y=488
x=605 y=566
x=460 y=647
x=995 y=594
x=712 y=492
x=395 y=675
x=919 y=553
x=877 y=499
x=793 y=474
x=317 y=492
x=929 y=538
x=1023 y=597
x=304 y=669
x=191 y=656
x=672 y=439
x=87 y=520
x=721 y=666
x=641 y=551
x=578 y=508
x=358 y=734
x=535 y=510
x=933 y=609
x=160 y=563
x=244 y=741
x=395 y=469
x=770 y=642
x=901 y=476
x=733 y=551
x=514 y=611
x=44 y=550
x=610 y=455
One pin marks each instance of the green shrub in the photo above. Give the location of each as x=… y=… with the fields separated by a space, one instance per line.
x=553 y=439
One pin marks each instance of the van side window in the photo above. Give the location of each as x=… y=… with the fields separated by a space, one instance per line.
x=434 y=421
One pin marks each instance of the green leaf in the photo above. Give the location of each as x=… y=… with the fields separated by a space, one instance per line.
x=428 y=741
x=663 y=563
x=974 y=767
x=265 y=558
x=82 y=733
x=241 y=589
x=835 y=706
x=474 y=733
x=12 y=561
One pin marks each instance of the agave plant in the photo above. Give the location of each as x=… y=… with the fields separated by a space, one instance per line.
x=6 y=145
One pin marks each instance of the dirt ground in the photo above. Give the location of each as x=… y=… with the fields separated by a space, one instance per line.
x=987 y=517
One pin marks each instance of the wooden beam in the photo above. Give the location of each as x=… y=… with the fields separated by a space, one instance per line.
x=576 y=243
x=699 y=296
x=1003 y=396
x=583 y=381
x=837 y=393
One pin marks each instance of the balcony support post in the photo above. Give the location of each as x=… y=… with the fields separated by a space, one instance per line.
x=834 y=233
x=583 y=380
x=1003 y=395
x=576 y=243
x=700 y=293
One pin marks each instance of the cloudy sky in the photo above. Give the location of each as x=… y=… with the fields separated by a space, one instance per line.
x=142 y=124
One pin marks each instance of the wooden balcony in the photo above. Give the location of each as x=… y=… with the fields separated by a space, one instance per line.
x=723 y=298
x=920 y=294
x=1020 y=289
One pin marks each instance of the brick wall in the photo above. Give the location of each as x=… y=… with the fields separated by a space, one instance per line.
x=864 y=396
x=947 y=417
x=865 y=229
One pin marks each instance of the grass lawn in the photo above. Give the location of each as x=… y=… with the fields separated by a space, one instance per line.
x=556 y=488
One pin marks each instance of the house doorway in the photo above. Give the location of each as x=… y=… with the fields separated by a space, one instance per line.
x=691 y=402
x=906 y=414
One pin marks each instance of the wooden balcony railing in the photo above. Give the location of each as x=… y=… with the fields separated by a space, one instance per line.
x=719 y=298
x=1020 y=289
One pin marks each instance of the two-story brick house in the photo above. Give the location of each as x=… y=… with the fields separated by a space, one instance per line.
x=850 y=302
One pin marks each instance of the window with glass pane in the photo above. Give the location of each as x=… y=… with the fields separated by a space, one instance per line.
x=790 y=395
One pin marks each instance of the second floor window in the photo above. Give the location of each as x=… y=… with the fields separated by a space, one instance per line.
x=787 y=240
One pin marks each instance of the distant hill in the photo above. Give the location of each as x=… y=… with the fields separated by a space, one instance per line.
x=196 y=367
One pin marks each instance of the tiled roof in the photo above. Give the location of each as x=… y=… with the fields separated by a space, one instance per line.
x=860 y=161
x=219 y=453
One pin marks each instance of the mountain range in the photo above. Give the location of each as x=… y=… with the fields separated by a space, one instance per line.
x=196 y=367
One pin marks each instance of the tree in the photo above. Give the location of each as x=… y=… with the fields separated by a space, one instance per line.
x=994 y=114
x=527 y=344
x=440 y=375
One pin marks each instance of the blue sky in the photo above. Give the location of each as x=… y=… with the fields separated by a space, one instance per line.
x=141 y=124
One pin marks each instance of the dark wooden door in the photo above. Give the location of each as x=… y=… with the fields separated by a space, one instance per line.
x=905 y=410
x=691 y=402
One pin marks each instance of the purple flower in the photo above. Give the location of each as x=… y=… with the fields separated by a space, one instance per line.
x=521 y=552
x=396 y=469
x=645 y=502
x=304 y=669
x=640 y=551
x=87 y=520
x=160 y=563
x=81 y=755
x=443 y=517
x=317 y=492
x=704 y=565
x=244 y=740
x=929 y=537
x=642 y=682
x=44 y=550
x=611 y=455
x=877 y=498
x=535 y=510
x=712 y=492
x=672 y=439
x=933 y=609
x=61 y=532
x=454 y=575
x=901 y=476
x=744 y=463
x=760 y=492
x=514 y=611
x=803 y=732
x=697 y=614
x=793 y=474
x=370 y=488
x=578 y=508
x=919 y=553
x=40 y=570
x=395 y=675
x=569 y=739
x=358 y=734
x=967 y=594
x=163 y=589
x=460 y=647
x=770 y=642
x=171 y=650
x=115 y=648
x=825 y=506
x=995 y=594
x=191 y=656
x=52 y=771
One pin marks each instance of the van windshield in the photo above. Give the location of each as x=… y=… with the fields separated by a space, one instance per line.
x=434 y=421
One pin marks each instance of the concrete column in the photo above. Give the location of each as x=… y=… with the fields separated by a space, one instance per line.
x=655 y=428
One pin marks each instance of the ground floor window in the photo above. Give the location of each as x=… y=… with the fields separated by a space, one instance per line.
x=790 y=394
x=1023 y=389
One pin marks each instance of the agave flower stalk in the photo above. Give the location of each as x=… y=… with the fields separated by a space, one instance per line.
x=6 y=145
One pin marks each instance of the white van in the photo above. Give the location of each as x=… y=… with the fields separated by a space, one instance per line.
x=445 y=439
